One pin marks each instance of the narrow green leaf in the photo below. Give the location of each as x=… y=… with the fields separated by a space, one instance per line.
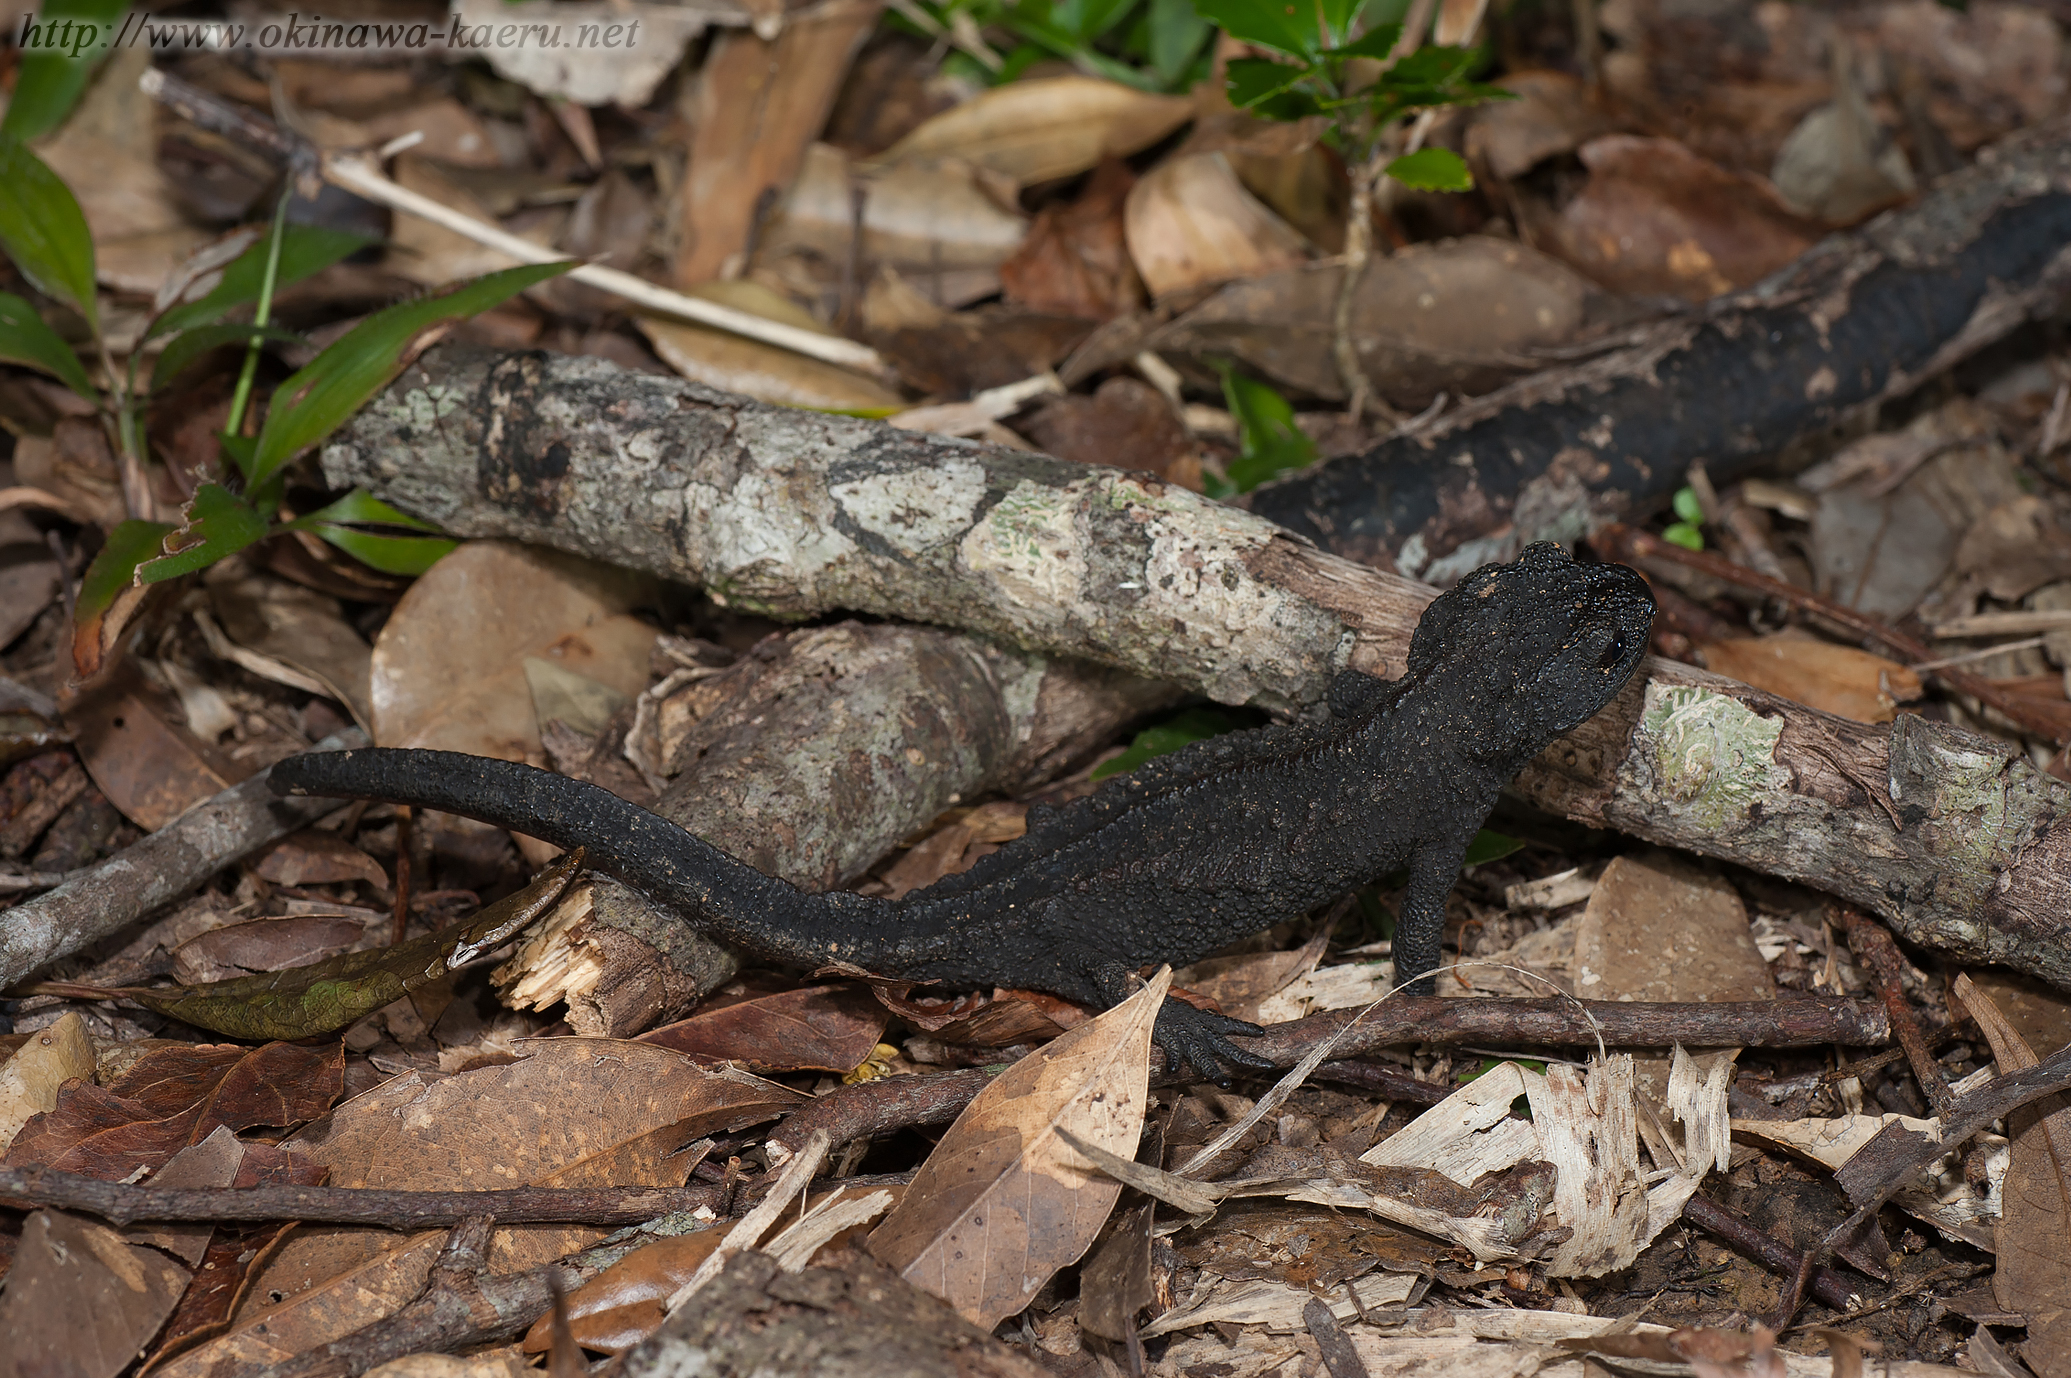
x=340 y=524
x=1254 y=80
x=43 y=230
x=317 y=399
x=1160 y=739
x=1488 y=846
x=218 y=523
x=406 y=555
x=1285 y=26
x=1432 y=169
x=304 y=250
x=115 y=568
x=361 y=507
x=1269 y=442
x=1377 y=42
x=189 y=346
x=26 y=339
x=304 y=1001
x=61 y=45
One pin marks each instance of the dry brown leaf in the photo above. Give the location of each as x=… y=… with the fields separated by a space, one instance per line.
x=1126 y=423
x=432 y=254
x=569 y=1112
x=106 y=152
x=765 y=372
x=81 y=1300
x=280 y=623
x=1551 y=115
x=827 y=1028
x=29 y=1080
x=934 y=222
x=758 y=103
x=1657 y=219
x=449 y=665
x=1989 y=69
x=2017 y=547
x=2034 y=1271
x=239 y=949
x=1190 y=222
x=1075 y=260
x=1836 y=679
x=625 y=75
x=1839 y=165
x=1002 y=1203
x=1037 y=131
x=453 y=134
x=1459 y=316
x=148 y=768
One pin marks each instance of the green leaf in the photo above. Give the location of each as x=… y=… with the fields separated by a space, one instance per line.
x=115 y=568
x=1086 y=20
x=1269 y=443
x=1254 y=80
x=1176 y=37
x=1377 y=42
x=316 y=400
x=1432 y=169
x=187 y=347
x=43 y=230
x=1168 y=736
x=218 y=523
x=1285 y=26
x=359 y=507
x=304 y=250
x=406 y=555
x=304 y=1001
x=1488 y=846
x=1684 y=535
x=26 y=339
x=339 y=524
x=65 y=41
x=1687 y=505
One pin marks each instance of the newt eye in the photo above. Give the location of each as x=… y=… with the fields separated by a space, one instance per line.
x=1613 y=653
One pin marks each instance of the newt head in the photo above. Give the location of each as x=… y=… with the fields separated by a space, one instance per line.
x=1518 y=654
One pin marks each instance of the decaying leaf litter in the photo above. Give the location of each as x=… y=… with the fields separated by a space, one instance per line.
x=1040 y=228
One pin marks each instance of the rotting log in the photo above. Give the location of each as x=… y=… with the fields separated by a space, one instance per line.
x=1958 y=842
x=1861 y=318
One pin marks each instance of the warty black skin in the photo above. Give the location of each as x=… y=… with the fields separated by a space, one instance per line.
x=1193 y=851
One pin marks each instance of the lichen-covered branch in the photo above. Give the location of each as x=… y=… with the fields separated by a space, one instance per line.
x=1958 y=842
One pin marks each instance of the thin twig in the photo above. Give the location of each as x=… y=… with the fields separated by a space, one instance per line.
x=124 y=1203
x=357 y=174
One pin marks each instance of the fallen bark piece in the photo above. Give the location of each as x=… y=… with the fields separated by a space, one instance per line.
x=155 y=871
x=811 y=758
x=1860 y=318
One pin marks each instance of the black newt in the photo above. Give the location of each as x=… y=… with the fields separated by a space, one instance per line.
x=1193 y=851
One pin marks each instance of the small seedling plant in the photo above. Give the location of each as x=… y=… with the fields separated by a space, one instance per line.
x=45 y=234
x=1320 y=64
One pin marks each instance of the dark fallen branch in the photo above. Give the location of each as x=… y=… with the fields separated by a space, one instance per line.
x=155 y=871
x=1745 y=1237
x=124 y=1203
x=878 y=1107
x=1863 y=317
